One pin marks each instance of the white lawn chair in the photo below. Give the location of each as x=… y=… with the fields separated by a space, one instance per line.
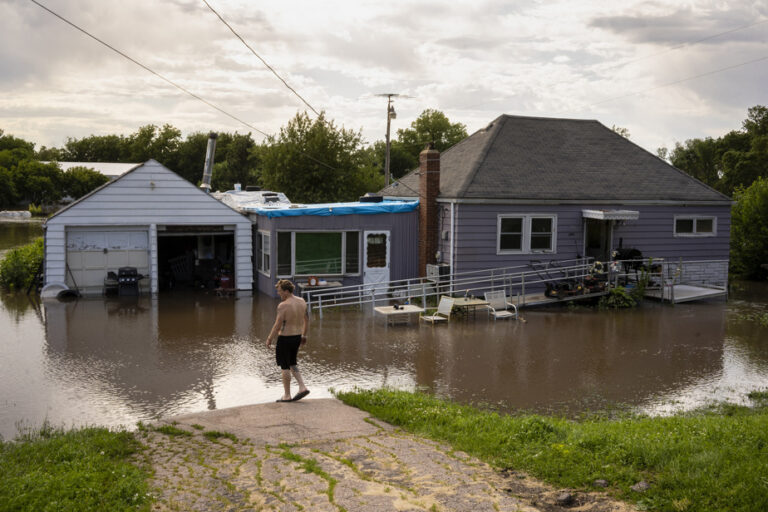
x=443 y=313
x=498 y=306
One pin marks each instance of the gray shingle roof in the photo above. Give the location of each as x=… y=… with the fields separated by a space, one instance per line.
x=534 y=158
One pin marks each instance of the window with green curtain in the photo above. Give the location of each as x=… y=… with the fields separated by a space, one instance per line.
x=284 y=250
x=318 y=253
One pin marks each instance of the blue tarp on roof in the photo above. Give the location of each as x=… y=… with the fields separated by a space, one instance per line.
x=328 y=209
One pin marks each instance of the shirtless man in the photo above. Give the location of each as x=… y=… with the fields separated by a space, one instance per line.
x=291 y=331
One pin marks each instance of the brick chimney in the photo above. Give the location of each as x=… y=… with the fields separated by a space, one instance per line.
x=429 y=188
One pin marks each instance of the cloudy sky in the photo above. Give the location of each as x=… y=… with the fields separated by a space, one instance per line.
x=657 y=68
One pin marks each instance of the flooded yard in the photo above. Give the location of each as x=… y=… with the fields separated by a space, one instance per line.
x=120 y=360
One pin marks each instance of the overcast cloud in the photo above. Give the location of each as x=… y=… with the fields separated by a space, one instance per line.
x=609 y=61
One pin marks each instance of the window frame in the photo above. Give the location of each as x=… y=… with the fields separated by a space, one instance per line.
x=695 y=233
x=265 y=256
x=525 y=246
x=344 y=253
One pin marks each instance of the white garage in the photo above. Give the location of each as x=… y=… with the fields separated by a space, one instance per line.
x=155 y=222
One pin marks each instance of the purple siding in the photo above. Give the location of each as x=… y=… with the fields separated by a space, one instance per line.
x=476 y=233
x=404 y=242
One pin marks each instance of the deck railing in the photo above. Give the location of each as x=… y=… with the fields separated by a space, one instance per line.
x=521 y=281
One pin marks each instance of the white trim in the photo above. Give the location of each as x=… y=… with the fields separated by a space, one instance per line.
x=695 y=233
x=451 y=243
x=260 y=262
x=525 y=243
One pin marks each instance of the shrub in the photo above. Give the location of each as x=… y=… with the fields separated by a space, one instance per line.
x=18 y=268
x=618 y=298
x=35 y=210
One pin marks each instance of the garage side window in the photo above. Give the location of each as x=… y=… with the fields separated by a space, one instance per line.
x=264 y=251
x=526 y=234
x=695 y=226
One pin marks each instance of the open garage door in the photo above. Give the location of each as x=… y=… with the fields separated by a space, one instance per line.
x=92 y=252
x=195 y=257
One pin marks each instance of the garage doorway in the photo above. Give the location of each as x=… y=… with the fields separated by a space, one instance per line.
x=195 y=257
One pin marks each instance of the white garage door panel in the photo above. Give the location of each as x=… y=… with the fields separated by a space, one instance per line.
x=91 y=254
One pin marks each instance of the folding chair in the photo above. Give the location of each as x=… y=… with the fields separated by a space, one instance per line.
x=497 y=305
x=443 y=313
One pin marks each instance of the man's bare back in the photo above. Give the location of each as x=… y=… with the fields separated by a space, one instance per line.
x=292 y=312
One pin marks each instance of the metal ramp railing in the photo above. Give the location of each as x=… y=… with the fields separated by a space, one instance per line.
x=513 y=280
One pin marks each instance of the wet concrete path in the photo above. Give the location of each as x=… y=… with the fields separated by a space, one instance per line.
x=323 y=455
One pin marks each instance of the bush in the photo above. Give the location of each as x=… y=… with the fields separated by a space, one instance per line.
x=18 y=268
x=618 y=298
x=749 y=230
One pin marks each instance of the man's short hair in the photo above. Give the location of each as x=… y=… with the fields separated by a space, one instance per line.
x=285 y=285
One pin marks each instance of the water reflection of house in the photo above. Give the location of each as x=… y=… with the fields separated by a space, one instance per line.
x=142 y=351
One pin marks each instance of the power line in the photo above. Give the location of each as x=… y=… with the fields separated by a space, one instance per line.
x=260 y=58
x=146 y=68
x=170 y=81
x=713 y=72
x=687 y=43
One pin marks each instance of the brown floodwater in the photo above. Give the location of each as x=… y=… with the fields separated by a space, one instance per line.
x=115 y=361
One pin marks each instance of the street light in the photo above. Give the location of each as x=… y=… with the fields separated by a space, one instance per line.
x=391 y=114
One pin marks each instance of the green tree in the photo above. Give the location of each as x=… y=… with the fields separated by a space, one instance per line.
x=749 y=230
x=734 y=160
x=236 y=161
x=8 y=196
x=431 y=126
x=314 y=161
x=401 y=160
x=94 y=148
x=37 y=182
x=8 y=142
x=79 y=181
x=699 y=158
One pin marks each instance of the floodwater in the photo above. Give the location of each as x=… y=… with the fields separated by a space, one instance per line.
x=115 y=361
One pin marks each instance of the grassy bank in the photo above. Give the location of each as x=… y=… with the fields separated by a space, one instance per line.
x=81 y=469
x=704 y=461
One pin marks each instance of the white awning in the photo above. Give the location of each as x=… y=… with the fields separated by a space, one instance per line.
x=611 y=214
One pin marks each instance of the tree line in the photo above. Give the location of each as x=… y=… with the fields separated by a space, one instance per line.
x=310 y=160
x=736 y=164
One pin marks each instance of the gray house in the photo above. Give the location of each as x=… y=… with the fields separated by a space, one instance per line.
x=529 y=188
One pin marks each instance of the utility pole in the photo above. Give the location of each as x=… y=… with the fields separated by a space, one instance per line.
x=390 y=116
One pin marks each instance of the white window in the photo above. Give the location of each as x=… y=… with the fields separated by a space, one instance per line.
x=693 y=226
x=526 y=234
x=264 y=251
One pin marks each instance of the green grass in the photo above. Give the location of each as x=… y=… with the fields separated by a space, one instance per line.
x=80 y=469
x=214 y=435
x=711 y=460
x=172 y=431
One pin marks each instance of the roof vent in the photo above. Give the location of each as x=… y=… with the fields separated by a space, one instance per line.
x=371 y=198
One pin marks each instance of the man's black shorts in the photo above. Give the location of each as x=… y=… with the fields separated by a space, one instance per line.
x=286 y=349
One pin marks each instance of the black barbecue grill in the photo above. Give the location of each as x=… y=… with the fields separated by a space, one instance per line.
x=128 y=281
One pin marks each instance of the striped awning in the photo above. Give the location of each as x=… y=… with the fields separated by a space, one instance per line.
x=611 y=214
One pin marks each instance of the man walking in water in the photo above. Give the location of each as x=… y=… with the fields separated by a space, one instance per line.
x=291 y=331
